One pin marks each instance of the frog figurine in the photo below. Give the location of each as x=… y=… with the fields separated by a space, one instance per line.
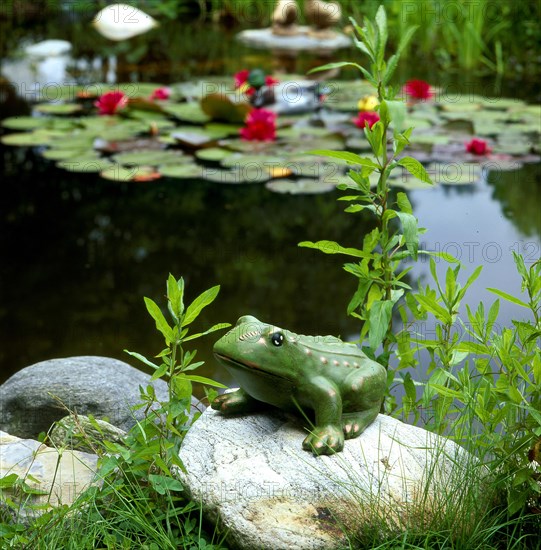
x=297 y=373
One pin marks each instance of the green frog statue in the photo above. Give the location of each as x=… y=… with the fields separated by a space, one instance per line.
x=302 y=374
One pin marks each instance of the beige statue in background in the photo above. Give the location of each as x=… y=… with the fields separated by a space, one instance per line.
x=321 y=16
x=284 y=18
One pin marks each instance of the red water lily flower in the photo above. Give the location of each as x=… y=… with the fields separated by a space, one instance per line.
x=366 y=118
x=478 y=147
x=241 y=81
x=160 y=94
x=260 y=126
x=111 y=102
x=418 y=90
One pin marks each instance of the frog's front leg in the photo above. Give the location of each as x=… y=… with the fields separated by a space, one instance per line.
x=326 y=437
x=236 y=402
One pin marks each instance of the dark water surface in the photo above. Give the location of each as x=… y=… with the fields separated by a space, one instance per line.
x=78 y=253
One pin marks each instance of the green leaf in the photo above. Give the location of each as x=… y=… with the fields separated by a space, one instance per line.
x=214 y=328
x=508 y=297
x=404 y=203
x=203 y=300
x=164 y=484
x=436 y=309
x=406 y=37
x=381 y=22
x=204 y=380
x=415 y=168
x=8 y=481
x=359 y=296
x=331 y=247
x=159 y=372
x=141 y=358
x=175 y=291
x=350 y=158
x=337 y=65
x=379 y=317
x=411 y=236
x=161 y=324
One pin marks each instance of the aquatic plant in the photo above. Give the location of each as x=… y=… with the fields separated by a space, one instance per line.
x=260 y=126
x=111 y=102
x=478 y=146
x=418 y=90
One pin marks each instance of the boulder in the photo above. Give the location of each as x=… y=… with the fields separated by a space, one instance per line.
x=253 y=478
x=80 y=433
x=39 y=395
x=55 y=478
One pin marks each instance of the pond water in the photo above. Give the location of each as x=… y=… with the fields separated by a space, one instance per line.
x=78 y=253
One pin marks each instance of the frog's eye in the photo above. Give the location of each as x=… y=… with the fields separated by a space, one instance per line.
x=277 y=338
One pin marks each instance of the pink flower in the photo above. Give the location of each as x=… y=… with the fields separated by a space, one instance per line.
x=260 y=126
x=241 y=81
x=160 y=94
x=111 y=102
x=418 y=90
x=241 y=78
x=366 y=118
x=478 y=147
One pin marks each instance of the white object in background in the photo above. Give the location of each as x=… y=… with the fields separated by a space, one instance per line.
x=121 y=21
x=48 y=48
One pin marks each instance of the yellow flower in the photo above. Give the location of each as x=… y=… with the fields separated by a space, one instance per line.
x=368 y=103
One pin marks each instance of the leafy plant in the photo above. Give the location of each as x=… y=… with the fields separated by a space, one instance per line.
x=139 y=500
x=380 y=285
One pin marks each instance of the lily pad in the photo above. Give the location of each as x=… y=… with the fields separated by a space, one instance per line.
x=194 y=139
x=455 y=173
x=85 y=164
x=187 y=112
x=27 y=139
x=237 y=160
x=299 y=187
x=26 y=122
x=64 y=154
x=226 y=107
x=149 y=157
x=58 y=108
x=213 y=154
x=115 y=172
x=183 y=171
x=244 y=174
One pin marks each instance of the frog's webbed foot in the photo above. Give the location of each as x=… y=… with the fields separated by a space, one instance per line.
x=235 y=402
x=324 y=440
x=354 y=424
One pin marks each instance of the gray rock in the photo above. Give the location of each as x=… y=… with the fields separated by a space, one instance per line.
x=303 y=40
x=56 y=478
x=79 y=433
x=253 y=478
x=37 y=396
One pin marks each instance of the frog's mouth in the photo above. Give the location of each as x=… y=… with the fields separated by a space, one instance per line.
x=248 y=366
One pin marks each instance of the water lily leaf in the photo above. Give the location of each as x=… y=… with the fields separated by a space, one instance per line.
x=115 y=172
x=63 y=154
x=299 y=187
x=192 y=139
x=429 y=139
x=26 y=122
x=184 y=171
x=27 y=139
x=85 y=164
x=303 y=131
x=58 y=108
x=226 y=107
x=187 y=112
x=149 y=157
x=214 y=154
x=243 y=174
x=239 y=160
x=460 y=107
x=221 y=130
x=517 y=147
